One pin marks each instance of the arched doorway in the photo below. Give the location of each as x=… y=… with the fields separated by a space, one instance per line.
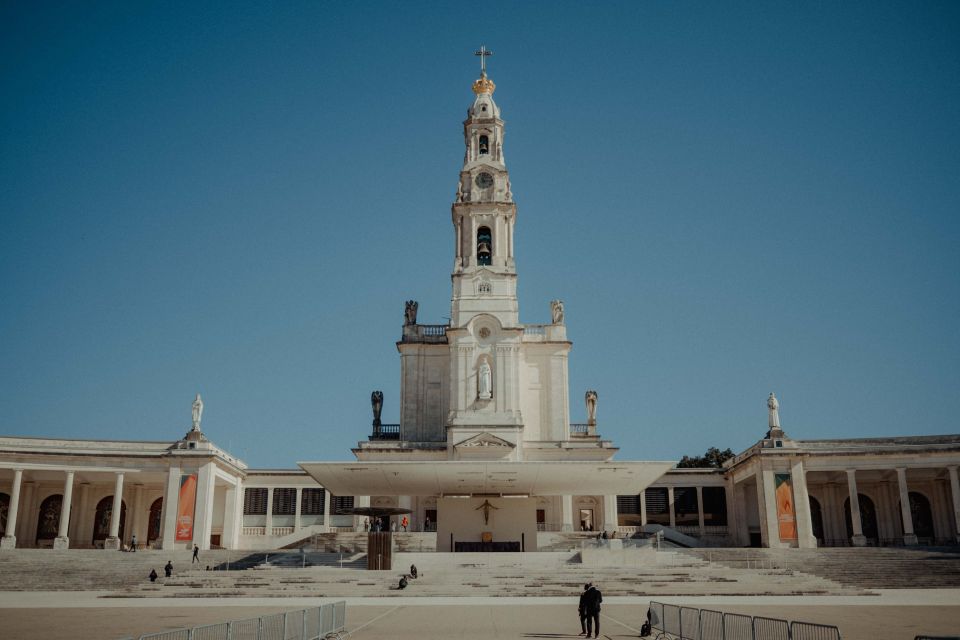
x=816 y=520
x=48 y=519
x=921 y=514
x=101 y=520
x=868 y=517
x=4 y=512
x=156 y=515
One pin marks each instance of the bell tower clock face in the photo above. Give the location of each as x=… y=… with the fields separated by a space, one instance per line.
x=484 y=180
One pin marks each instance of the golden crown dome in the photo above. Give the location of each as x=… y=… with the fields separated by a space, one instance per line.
x=483 y=84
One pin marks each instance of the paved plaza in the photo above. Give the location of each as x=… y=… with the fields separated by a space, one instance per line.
x=83 y=616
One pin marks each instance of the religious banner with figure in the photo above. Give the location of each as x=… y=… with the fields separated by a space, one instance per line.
x=186 y=507
x=786 y=517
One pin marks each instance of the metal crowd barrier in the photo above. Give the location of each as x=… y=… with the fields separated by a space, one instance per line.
x=316 y=623
x=673 y=622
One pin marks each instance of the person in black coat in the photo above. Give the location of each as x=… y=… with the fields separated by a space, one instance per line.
x=168 y=569
x=582 y=610
x=591 y=606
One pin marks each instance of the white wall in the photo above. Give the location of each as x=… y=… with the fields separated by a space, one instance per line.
x=513 y=519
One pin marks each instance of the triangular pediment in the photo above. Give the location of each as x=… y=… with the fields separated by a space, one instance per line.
x=487 y=440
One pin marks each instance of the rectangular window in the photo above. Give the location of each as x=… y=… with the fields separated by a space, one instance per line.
x=628 y=511
x=342 y=502
x=284 y=502
x=628 y=504
x=658 y=511
x=714 y=507
x=685 y=506
x=255 y=502
x=311 y=502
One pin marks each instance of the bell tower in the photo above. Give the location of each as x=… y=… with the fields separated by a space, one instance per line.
x=483 y=215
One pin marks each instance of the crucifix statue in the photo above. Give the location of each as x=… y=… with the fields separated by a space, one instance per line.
x=486 y=506
x=483 y=53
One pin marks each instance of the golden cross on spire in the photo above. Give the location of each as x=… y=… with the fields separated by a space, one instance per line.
x=483 y=53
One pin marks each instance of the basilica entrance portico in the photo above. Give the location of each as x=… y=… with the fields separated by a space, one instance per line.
x=491 y=501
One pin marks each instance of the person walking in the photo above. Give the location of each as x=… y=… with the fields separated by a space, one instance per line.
x=591 y=606
x=168 y=569
x=582 y=610
x=133 y=543
x=196 y=554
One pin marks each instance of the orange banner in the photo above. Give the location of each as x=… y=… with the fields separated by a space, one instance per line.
x=786 y=517
x=186 y=507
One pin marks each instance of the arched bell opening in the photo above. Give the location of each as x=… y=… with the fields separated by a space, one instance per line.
x=484 y=145
x=484 y=245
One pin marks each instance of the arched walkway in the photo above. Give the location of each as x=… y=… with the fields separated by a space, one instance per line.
x=101 y=520
x=868 y=517
x=921 y=514
x=816 y=520
x=4 y=512
x=156 y=519
x=48 y=519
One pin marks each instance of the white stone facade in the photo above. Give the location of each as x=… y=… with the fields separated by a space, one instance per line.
x=489 y=395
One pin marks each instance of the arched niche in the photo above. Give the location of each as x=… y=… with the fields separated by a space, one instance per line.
x=101 y=519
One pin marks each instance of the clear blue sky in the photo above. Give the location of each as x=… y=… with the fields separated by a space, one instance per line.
x=236 y=198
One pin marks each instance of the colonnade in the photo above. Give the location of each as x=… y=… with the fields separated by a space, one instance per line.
x=895 y=503
x=71 y=519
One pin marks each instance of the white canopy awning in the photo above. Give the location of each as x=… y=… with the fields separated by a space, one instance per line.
x=457 y=477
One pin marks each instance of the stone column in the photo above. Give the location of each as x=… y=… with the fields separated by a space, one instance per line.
x=405 y=502
x=232 y=507
x=137 y=516
x=26 y=511
x=203 y=515
x=909 y=537
x=610 y=521
x=673 y=515
x=62 y=540
x=361 y=501
x=801 y=503
x=9 y=540
x=81 y=526
x=858 y=540
x=955 y=495
x=729 y=494
x=28 y=514
x=268 y=523
x=700 y=520
x=769 y=506
x=296 y=510
x=171 y=497
x=566 y=513
x=643 y=508
x=327 y=497
x=113 y=541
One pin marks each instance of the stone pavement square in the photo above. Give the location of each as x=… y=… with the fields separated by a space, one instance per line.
x=445 y=618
